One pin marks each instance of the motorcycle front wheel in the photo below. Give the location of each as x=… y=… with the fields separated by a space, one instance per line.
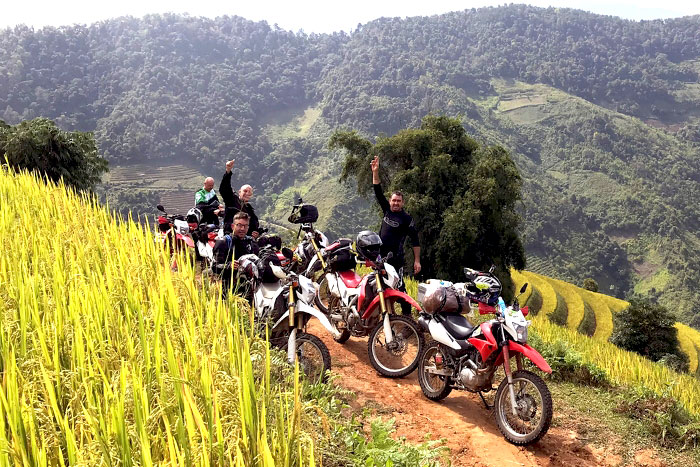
x=533 y=412
x=399 y=357
x=313 y=357
x=434 y=386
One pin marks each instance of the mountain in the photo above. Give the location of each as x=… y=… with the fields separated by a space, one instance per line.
x=600 y=114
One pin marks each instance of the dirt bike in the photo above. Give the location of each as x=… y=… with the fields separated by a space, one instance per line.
x=308 y=253
x=466 y=357
x=363 y=306
x=205 y=238
x=286 y=306
x=174 y=233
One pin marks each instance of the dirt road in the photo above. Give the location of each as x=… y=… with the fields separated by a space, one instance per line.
x=461 y=418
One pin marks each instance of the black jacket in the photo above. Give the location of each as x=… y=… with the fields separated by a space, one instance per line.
x=396 y=226
x=234 y=205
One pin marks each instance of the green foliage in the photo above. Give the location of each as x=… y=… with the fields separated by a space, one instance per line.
x=461 y=195
x=648 y=329
x=567 y=364
x=561 y=311
x=590 y=284
x=665 y=418
x=40 y=146
x=588 y=323
x=382 y=450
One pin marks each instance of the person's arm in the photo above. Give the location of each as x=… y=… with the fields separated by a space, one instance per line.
x=376 y=182
x=413 y=233
x=226 y=191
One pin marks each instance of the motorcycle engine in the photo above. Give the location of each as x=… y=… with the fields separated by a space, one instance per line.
x=471 y=377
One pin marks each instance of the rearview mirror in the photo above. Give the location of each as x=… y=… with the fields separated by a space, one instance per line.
x=160 y=207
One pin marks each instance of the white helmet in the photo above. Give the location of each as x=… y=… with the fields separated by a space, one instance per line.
x=194 y=215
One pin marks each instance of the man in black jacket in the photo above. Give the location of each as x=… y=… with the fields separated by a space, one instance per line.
x=228 y=249
x=397 y=224
x=238 y=202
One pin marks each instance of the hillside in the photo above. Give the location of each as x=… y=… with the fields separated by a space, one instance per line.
x=600 y=115
x=589 y=313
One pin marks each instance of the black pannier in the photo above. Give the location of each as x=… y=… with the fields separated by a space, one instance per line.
x=306 y=213
x=341 y=258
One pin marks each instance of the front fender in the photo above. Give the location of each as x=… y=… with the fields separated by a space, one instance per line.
x=532 y=354
x=188 y=240
x=304 y=308
x=390 y=293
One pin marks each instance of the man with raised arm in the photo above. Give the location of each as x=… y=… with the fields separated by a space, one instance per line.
x=238 y=202
x=207 y=202
x=397 y=224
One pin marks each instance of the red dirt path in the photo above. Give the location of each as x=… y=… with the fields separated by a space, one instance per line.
x=461 y=418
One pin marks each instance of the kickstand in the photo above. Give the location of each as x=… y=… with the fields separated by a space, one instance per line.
x=489 y=407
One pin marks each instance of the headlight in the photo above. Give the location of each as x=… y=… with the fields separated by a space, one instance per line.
x=521 y=332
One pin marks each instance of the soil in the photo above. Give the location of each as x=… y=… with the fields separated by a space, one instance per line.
x=461 y=419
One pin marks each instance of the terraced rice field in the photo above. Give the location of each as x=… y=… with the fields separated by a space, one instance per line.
x=604 y=307
x=574 y=302
x=690 y=343
x=549 y=296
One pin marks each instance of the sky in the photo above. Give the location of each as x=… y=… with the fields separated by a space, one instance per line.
x=320 y=16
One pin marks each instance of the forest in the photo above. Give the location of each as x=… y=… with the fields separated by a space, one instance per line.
x=599 y=114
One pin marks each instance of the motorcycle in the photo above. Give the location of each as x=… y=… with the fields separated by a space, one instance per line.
x=363 y=306
x=173 y=233
x=466 y=357
x=285 y=305
x=308 y=253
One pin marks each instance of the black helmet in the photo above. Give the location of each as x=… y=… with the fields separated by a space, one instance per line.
x=304 y=214
x=368 y=245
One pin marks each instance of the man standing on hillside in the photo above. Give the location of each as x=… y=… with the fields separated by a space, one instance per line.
x=397 y=224
x=206 y=201
x=238 y=202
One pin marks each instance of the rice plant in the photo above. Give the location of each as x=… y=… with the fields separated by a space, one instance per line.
x=108 y=357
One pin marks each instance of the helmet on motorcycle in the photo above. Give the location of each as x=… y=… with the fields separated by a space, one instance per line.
x=484 y=288
x=368 y=245
x=247 y=267
x=194 y=216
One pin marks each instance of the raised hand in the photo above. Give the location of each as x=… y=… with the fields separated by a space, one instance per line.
x=229 y=165
x=375 y=164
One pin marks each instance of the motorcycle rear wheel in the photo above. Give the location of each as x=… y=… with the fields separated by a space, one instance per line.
x=313 y=357
x=400 y=357
x=323 y=296
x=534 y=412
x=434 y=387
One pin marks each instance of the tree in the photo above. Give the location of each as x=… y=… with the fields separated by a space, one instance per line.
x=461 y=195
x=590 y=284
x=648 y=329
x=40 y=146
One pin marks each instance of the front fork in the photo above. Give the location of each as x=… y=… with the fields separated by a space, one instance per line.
x=292 y=342
x=509 y=376
x=388 y=334
x=318 y=253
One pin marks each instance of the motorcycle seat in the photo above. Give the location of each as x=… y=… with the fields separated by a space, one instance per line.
x=351 y=279
x=270 y=290
x=457 y=325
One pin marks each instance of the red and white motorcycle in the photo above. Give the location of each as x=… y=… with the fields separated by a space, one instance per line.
x=173 y=233
x=466 y=357
x=364 y=306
